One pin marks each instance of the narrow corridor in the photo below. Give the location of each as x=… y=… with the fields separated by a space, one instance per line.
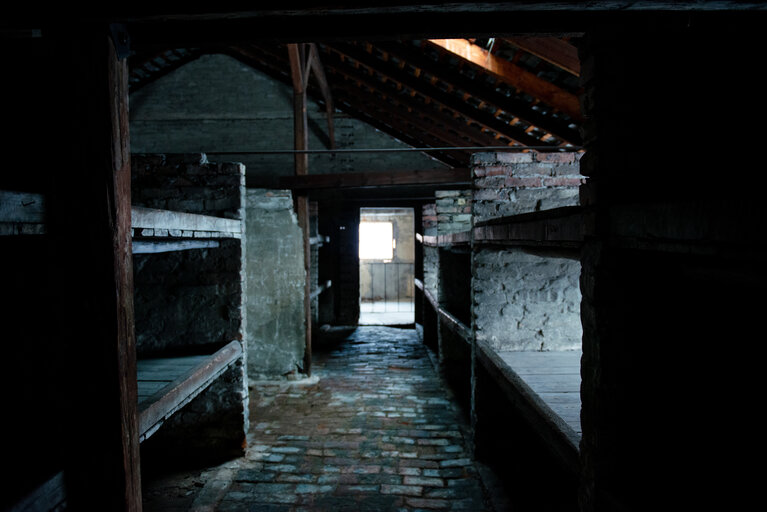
x=374 y=429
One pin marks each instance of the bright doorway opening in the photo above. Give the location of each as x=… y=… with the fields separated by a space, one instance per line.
x=387 y=256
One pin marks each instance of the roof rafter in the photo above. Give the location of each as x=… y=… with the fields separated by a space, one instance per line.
x=392 y=72
x=553 y=50
x=512 y=74
x=516 y=108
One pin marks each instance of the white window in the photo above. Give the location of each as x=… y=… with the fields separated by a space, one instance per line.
x=376 y=241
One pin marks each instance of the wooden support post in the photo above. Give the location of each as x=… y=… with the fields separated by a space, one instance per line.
x=299 y=71
x=94 y=269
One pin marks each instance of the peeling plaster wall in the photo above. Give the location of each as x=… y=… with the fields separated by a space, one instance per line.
x=275 y=280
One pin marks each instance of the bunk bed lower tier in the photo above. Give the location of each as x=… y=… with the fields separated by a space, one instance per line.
x=167 y=384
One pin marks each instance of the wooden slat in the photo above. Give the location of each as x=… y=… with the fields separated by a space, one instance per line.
x=559 y=436
x=392 y=72
x=553 y=376
x=553 y=50
x=315 y=65
x=155 y=247
x=565 y=227
x=517 y=107
x=51 y=495
x=456 y=176
x=513 y=75
x=154 y=410
x=412 y=108
x=154 y=222
x=298 y=73
x=455 y=325
x=321 y=289
x=460 y=238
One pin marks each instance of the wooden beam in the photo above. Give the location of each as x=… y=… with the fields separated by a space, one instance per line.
x=441 y=123
x=319 y=73
x=514 y=75
x=182 y=224
x=553 y=50
x=154 y=247
x=158 y=408
x=456 y=176
x=392 y=72
x=482 y=92
x=301 y=143
x=93 y=193
x=264 y=59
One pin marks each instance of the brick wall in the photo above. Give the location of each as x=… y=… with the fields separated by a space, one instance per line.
x=453 y=210
x=525 y=299
x=513 y=183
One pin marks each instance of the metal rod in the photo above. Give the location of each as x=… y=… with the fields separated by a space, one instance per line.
x=566 y=149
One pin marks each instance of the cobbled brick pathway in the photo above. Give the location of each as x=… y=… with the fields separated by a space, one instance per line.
x=374 y=431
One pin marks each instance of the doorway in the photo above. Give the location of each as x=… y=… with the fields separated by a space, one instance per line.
x=387 y=256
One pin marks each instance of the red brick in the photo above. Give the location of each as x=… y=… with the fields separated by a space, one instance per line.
x=493 y=170
x=562 y=158
x=523 y=182
x=562 y=182
x=515 y=158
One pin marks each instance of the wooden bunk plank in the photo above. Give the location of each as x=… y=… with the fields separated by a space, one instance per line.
x=563 y=227
x=154 y=222
x=190 y=381
x=21 y=213
x=455 y=325
x=546 y=409
x=155 y=247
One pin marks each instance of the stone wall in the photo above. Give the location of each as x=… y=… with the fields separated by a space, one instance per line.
x=525 y=299
x=205 y=285
x=453 y=210
x=430 y=254
x=192 y=301
x=276 y=336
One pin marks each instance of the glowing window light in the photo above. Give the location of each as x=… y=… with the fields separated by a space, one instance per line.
x=376 y=241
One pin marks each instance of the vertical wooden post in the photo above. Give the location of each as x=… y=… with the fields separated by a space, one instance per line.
x=90 y=225
x=299 y=70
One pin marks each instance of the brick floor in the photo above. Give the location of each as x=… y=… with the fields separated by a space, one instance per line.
x=374 y=430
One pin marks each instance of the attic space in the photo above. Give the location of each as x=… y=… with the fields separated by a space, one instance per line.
x=559 y=311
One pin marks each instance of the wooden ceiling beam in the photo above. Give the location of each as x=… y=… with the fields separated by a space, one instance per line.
x=319 y=73
x=455 y=176
x=394 y=94
x=515 y=107
x=513 y=75
x=439 y=134
x=272 y=61
x=553 y=50
x=436 y=94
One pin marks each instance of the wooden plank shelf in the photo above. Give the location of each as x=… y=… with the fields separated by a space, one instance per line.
x=558 y=227
x=317 y=291
x=452 y=323
x=545 y=388
x=165 y=385
x=152 y=223
x=23 y=213
x=446 y=240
